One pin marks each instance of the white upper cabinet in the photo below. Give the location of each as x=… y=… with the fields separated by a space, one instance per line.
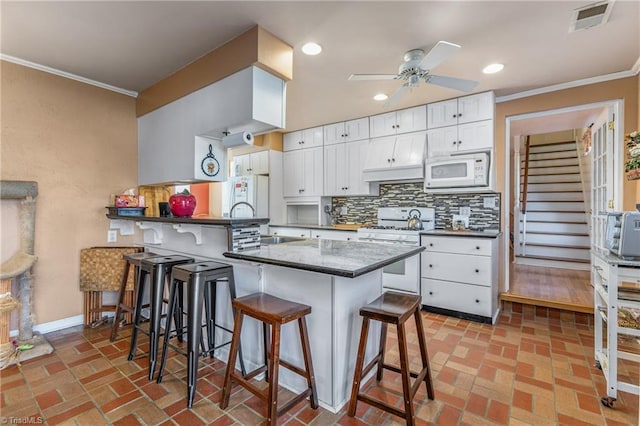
x=307 y=138
x=466 y=109
x=396 y=122
x=303 y=172
x=343 y=165
x=347 y=131
x=395 y=158
x=469 y=137
x=256 y=163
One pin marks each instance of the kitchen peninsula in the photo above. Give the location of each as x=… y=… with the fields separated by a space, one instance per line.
x=335 y=278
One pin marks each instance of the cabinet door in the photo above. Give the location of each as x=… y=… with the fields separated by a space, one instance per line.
x=242 y=165
x=334 y=169
x=290 y=232
x=326 y=234
x=409 y=149
x=475 y=136
x=293 y=183
x=356 y=130
x=334 y=133
x=260 y=163
x=475 y=107
x=312 y=137
x=442 y=141
x=440 y=114
x=411 y=119
x=312 y=172
x=462 y=268
x=382 y=125
x=355 y=153
x=379 y=153
x=458 y=297
x=457 y=245
x=291 y=141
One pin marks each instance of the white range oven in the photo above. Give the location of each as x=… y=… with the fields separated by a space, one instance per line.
x=392 y=228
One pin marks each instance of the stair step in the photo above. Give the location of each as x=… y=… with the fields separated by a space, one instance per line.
x=572 y=178
x=552 y=155
x=555 y=240
x=571 y=161
x=567 y=228
x=565 y=253
x=555 y=206
x=553 y=147
x=555 y=170
x=554 y=186
x=556 y=258
x=554 y=196
x=564 y=217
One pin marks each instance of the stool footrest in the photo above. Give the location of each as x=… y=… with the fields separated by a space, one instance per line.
x=372 y=364
x=397 y=370
x=248 y=385
x=381 y=405
x=255 y=372
x=293 y=401
x=299 y=371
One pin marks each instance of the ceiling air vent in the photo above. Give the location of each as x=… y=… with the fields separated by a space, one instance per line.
x=590 y=16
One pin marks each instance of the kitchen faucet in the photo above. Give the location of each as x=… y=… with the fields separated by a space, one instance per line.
x=253 y=211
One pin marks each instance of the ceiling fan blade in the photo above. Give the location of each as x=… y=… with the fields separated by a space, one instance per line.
x=372 y=76
x=452 y=82
x=397 y=95
x=439 y=53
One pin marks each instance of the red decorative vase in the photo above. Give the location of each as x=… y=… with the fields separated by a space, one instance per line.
x=182 y=205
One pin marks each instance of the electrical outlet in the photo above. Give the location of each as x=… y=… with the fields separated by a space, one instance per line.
x=489 y=202
x=343 y=210
x=112 y=236
x=465 y=211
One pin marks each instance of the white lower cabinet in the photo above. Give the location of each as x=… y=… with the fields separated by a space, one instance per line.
x=327 y=234
x=459 y=276
x=290 y=232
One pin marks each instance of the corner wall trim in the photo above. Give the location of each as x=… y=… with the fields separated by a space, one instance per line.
x=68 y=75
x=56 y=325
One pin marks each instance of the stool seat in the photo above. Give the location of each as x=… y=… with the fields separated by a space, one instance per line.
x=130 y=259
x=392 y=308
x=271 y=311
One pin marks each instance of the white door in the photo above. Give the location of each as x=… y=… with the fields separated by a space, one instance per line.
x=292 y=173
x=440 y=114
x=605 y=170
x=260 y=163
x=334 y=133
x=334 y=169
x=475 y=107
x=242 y=165
x=380 y=153
x=356 y=130
x=411 y=119
x=442 y=141
x=382 y=125
x=475 y=136
x=312 y=172
x=355 y=153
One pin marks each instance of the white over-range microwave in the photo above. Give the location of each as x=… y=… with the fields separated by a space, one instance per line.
x=458 y=171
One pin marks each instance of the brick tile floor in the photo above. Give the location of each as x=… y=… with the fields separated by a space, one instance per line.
x=532 y=368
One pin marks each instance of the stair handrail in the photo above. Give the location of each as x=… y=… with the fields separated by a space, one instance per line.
x=525 y=181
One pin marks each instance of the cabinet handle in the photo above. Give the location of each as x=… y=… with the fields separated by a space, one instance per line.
x=348 y=238
x=346 y=135
x=477 y=300
x=455 y=142
x=477 y=270
x=388 y=160
x=393 y=126
x=477 y=247
x=430 y=266
x=455 y=115
x=302 y=235
x=430 y=293
x=459 y=115
x=317 y=236
x=430 y=244
x=459 y=142
x=393 y=160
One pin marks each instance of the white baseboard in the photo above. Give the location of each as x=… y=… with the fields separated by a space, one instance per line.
x=61 y=324
x=552 y=263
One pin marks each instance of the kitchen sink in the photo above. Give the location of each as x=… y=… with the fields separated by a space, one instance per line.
x=276 y=239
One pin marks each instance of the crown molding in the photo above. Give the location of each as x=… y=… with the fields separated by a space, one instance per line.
x=636 y=67
x=570 y=84
x=68 y=75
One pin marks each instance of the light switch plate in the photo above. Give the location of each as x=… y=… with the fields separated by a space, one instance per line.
x=465 y=211
x=112 y=236
x=343 y=210
x=489 y=202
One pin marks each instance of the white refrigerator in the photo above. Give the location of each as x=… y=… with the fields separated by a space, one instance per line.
x=252 y=189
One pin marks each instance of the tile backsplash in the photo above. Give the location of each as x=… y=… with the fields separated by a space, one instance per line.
x=363 y=210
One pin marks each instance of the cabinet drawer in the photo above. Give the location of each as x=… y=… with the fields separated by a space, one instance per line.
x=459 y=297
x=457 y=267
x=458 y=245
x=290 y=232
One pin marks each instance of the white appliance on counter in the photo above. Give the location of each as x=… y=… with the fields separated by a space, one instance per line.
x=252 y=189
x=470 y=171
x=392 y=228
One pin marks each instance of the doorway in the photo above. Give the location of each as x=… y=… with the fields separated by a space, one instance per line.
x=557 y=286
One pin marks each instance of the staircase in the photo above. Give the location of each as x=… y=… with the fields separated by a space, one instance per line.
x=553 y=229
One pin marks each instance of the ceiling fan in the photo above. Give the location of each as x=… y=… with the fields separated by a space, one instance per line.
x=416 y=67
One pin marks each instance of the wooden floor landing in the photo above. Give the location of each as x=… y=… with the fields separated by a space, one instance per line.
x=565 y=289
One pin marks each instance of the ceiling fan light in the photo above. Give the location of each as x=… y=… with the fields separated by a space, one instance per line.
x=380 y=97
x=311 y=48
x=493 y=68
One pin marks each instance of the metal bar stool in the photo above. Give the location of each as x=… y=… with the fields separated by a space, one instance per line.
x=159 y=270
x=392 y=308
x=121 y=307
x=201 y=279
x=275 y=312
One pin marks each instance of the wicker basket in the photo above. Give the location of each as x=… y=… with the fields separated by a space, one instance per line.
x=101 y=268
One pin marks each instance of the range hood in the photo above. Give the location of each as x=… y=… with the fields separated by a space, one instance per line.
x=397 y=174
x=395 y=158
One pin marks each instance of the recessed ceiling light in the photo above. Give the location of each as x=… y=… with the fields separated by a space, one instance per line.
x=311 y=48
x=492 y=68
x=380 y=97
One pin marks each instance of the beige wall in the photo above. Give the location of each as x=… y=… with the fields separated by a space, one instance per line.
x=79 y=142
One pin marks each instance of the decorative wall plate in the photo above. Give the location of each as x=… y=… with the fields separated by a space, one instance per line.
x=210 y=165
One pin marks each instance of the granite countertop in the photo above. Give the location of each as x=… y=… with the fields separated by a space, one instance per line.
x=489 y=233
x=197 y=220
x=342 y=258
x=339 y=227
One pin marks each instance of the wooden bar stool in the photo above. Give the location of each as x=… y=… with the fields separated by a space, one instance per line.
x=128 y=306
x=201 y=279
x=159 y=270
x=392 y=308
x=275 y=312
